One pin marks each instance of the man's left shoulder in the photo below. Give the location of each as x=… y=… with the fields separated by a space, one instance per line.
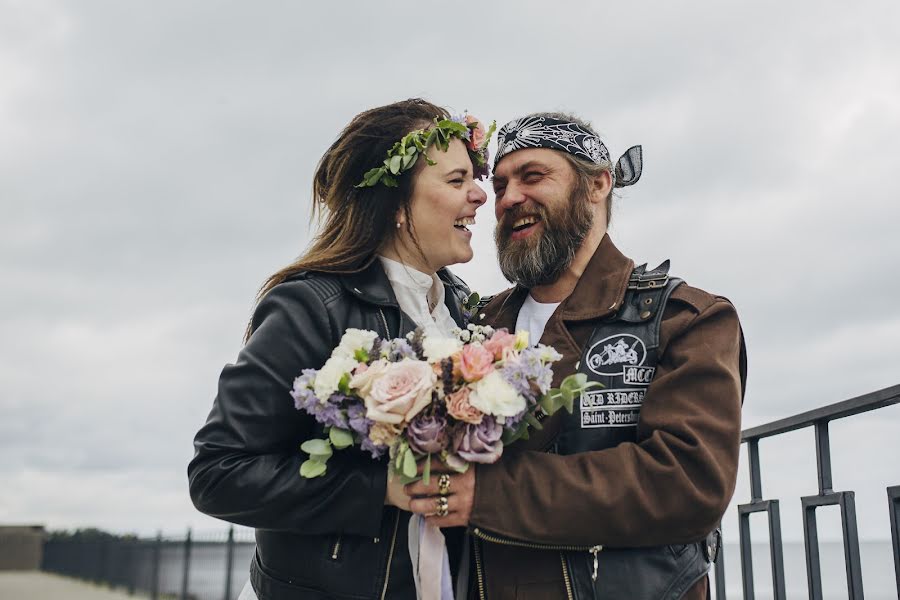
x=696 y=300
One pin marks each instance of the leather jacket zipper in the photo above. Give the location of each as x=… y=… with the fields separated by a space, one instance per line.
x=496 y=539
x=335 y=552
x=479 y=571
x=387 y=571
x=387 y=332
x=566 y=578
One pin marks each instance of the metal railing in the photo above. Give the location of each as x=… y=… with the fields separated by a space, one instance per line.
x=208 y=568
x=188 y=568
x=826 y=496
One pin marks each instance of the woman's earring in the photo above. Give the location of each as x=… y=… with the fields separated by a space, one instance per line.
x=398 y=224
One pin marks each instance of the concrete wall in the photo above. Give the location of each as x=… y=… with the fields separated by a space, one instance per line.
x=21 y=547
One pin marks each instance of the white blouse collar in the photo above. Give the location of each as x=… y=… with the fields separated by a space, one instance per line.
x=420 y=295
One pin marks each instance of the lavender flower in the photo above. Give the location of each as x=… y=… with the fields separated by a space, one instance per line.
x=376 y=450
x=513 y=422
x=479 y=443
x=526 y=369
x=356 y=418
x=427 y=435
x=396 y=350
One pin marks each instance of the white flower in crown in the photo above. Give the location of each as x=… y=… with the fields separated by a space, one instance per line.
x=329 y=376
x=437 y=348
x=492 y=395
x=353 y=340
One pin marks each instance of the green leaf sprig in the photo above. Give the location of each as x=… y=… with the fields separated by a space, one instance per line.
x=404 y=154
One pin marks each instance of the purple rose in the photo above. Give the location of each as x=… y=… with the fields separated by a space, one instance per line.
x=427 y=435
x=479 y=443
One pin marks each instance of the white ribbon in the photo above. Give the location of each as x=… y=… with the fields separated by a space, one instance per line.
x=430 y=562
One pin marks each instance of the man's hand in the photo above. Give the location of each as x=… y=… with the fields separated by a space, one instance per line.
x=460 y=494
x=395 y=495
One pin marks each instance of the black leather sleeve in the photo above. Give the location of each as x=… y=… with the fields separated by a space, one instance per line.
x=247 y=455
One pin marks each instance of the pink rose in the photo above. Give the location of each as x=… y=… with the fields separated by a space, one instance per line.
x=499 y=342
x=475 y=362
x=459 y=408
x=399 y=392
x=477 y=133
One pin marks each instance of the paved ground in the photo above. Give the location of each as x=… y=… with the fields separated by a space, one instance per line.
x=37 y=585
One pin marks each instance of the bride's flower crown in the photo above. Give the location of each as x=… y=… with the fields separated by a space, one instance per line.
x=403 y=155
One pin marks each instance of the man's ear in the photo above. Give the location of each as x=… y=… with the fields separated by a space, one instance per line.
x=602 y=187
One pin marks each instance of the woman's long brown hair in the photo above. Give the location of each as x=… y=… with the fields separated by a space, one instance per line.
x=355 y=222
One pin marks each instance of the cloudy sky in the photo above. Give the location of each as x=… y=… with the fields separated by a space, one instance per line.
x=155 y=165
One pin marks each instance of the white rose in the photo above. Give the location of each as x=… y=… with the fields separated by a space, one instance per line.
x=330 y=375
x=353 y=340
x=437 y=348
x=493 y=396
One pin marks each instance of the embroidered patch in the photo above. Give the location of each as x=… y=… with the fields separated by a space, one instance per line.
x=611 y=354
x=611 y=408
x=637 y=375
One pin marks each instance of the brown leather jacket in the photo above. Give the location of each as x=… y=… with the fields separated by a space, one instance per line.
x=671 y=487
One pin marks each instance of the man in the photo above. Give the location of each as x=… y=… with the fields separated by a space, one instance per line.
x=619 y=498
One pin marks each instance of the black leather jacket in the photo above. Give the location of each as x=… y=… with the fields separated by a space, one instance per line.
x=328 y=537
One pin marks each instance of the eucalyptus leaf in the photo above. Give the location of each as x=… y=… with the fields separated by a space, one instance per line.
x=317 y=449
x=407 y=480
x=409 y=463
x=340 y=438
x=549 y=405
x=532 y=420
x=312 y=468
x=396 y=163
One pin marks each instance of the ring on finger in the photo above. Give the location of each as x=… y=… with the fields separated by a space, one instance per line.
x=444 y=484
x=442 y=506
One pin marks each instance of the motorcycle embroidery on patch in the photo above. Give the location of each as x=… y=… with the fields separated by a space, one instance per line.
x=609 y=355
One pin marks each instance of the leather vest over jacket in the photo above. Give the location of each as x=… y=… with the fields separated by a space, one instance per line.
x=621 y=355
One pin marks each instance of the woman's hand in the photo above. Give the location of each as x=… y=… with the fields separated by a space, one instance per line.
x=459 y=489
x=396 y=495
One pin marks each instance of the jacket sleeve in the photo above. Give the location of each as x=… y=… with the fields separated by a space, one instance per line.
x=672 y=486
x=247 y=455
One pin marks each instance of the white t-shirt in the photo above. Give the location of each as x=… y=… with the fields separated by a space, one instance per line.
x=533 y=318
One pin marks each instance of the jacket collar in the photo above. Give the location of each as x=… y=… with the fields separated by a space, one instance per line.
x=599 y=291
x=372 y=285
x=602 y=286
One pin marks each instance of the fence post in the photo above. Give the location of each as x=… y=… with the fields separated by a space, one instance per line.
x=187 y=565
x=154 y=572
x=133 y=565
x=229 y=562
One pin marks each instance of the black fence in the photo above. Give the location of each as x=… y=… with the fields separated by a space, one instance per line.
x=216 y=567
x=211 y=567
x=826 y=496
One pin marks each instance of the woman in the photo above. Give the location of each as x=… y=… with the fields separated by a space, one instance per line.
x=377 y=263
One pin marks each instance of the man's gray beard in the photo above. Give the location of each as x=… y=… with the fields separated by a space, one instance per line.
x=543 y=262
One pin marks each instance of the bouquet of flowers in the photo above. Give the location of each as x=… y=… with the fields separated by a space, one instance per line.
x=459 y=398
